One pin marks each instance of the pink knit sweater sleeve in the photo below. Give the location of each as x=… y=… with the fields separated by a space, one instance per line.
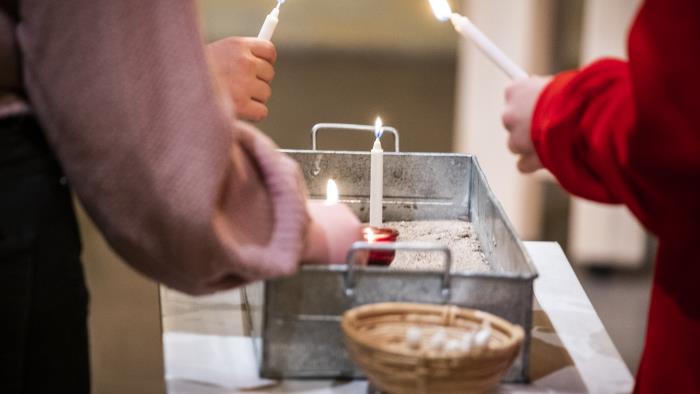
x=181 y=190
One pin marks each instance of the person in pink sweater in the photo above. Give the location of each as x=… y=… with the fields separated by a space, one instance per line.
x=122 y=101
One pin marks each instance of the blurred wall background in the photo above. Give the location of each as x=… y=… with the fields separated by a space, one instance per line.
x=351 y=60
x=600 y=234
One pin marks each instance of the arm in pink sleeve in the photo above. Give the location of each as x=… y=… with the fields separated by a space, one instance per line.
x=183 y=192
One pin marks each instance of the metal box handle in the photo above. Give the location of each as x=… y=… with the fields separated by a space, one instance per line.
x=352 y=127
x=398 y=246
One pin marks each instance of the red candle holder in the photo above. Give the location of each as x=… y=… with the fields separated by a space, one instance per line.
x=380 y=235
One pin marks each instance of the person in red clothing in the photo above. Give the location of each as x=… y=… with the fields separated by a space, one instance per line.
x=627 y=132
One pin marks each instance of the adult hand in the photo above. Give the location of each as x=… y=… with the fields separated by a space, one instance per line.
x=333 y=230
x=521 y=98
x=244 y=67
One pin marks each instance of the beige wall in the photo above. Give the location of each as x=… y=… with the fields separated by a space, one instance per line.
x=394 y=25
x=415 y=95
x=604 y=234
x=349 y=61
x=125 y=337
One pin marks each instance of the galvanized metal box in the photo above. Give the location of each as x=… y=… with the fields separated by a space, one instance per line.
x=295 y=320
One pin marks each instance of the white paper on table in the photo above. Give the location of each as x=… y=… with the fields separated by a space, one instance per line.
x=227 y=362
x=229 y=297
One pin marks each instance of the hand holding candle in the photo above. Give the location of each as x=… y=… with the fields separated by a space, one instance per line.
x=244 y=69
x=521 y=98
x=466 y=28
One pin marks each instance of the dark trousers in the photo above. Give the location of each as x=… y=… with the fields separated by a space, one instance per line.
x=43 y=298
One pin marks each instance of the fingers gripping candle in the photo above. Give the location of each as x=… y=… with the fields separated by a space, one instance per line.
x=376 y=177
x=466 y=28
x=268 y=28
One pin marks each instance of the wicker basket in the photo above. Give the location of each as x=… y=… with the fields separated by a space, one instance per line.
x=375 y=336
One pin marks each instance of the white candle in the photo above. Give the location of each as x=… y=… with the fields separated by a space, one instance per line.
x=332 y=194
x=268 y=28
x=466 y=28
x=376 y=184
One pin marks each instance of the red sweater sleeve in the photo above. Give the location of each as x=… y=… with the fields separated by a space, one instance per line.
x=614 y=133
x=579 y=128
x=628 y=132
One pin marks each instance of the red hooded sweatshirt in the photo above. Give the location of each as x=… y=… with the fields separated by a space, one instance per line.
x=627 y=133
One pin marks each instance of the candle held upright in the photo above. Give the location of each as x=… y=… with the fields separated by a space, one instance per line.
x=462 y=24
x=268 y=28
x=376 y=190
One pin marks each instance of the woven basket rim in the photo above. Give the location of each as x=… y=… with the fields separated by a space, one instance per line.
x=515 y=337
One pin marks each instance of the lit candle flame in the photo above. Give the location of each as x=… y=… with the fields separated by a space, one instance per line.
x=369 y=235
x=279 y=3
x=332 y=194
x=441 y=9
x=378 y=127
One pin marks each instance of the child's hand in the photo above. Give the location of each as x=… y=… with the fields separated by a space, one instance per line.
x=521 y=97
x=245 y=69
x=332 y=231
